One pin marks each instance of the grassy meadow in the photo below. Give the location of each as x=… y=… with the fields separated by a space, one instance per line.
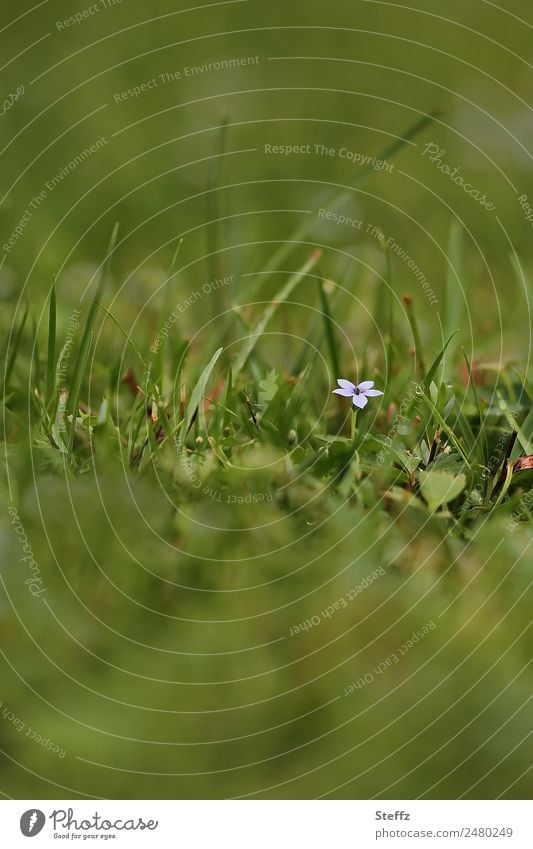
x=219 y=579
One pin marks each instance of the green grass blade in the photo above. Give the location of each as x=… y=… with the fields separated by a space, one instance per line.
x=329 y=328
x=436 y=363
x=513 y=424
x=51 y=354
x=383 y=316
x=36 y=358
x=214 y=257
x=196 y=397
x=83 y=353
x=445 y=427
x=76 y=399
x=314 y=334
x=337 y=198
x=126 y=335
x=283 y=294
x=482 y=429
x=455 y=287
x=14 y=352
x=159 y=356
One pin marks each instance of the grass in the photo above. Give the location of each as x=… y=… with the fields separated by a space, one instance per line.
x=189 y=503
x=157 y=410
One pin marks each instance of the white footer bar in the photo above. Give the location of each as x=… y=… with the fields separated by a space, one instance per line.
x=268 y=824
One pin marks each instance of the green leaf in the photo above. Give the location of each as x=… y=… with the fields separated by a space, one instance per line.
x=451 y=463
x=409 y=461
x=439 y=488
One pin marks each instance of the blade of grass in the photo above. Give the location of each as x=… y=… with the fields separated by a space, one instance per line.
x=127 y=337
x=280 y=297
x=426 y=383
x=151 y=387
x=73 y=415
x=196 y=397
x=482 y=429
x=214 y=260
x=159 y=356
x=227 y=399
x=455 y=291
x=522 y=438
x=382 y=313
x=462 y=423
x=14 y=352
x=136 y=423
x=329 y=328
x=413 y=324
x=83 y=353
x=445 y=427
x=337 y=198
x=503 y=484
x=314 y=335
x=257 y=363
x=51 y=353
x=384 y=308
x=36 y=359
x=498 y=482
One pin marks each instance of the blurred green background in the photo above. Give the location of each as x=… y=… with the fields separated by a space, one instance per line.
x=169 y=674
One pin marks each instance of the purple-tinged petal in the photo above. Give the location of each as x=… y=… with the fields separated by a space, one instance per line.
x=360 y=401
x=346 y=384
x=346 y=393
x=373 y=393
x=366 y=384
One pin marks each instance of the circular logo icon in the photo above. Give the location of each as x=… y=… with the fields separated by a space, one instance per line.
x=32 y=822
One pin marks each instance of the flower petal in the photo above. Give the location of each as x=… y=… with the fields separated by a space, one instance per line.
x=347 y=384
x=366 y=384
x=360 y=401
x=346 y=393
x=373 y=393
